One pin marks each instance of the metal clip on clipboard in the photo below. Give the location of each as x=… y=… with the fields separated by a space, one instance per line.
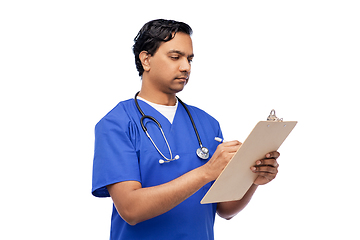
x=272 y=117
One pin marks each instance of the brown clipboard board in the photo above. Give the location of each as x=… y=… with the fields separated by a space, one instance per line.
x=237 y=178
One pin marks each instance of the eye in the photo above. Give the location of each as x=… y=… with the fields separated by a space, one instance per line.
x=175 y=57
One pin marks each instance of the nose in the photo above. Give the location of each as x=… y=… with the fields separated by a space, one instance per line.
x=185 y=66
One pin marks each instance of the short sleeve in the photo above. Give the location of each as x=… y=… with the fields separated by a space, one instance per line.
x=115 y=158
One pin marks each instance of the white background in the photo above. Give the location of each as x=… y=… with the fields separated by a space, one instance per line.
x=65 y=64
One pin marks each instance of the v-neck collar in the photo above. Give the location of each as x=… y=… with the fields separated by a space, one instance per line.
x=157 y=111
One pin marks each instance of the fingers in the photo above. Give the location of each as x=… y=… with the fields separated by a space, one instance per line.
x=269 y=162
x=266 y=173
x=230 y=147
x=268 y=165
x=227 y=150
x=273 y=155
x=231 y=144
x=264 y=169
x=221 y=158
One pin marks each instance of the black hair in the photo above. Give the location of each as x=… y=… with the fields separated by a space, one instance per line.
x=152 y=34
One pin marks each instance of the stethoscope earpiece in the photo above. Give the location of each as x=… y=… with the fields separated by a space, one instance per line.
x=202 y=152
x=161 y=161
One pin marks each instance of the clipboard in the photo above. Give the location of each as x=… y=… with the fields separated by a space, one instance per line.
x=236 y=178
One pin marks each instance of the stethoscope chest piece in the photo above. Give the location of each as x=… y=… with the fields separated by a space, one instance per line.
x=203 y=153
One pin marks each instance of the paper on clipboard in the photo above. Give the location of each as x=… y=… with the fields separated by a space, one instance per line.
x=237 y=178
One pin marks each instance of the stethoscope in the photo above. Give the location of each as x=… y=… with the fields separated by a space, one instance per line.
x=202 y=151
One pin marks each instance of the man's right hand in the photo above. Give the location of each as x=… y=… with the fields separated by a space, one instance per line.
x=221 y=158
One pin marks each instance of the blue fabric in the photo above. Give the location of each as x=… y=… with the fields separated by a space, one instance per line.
x=123 y=152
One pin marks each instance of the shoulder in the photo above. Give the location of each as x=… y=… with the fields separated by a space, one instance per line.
x=120 y=122
x=119 y=115
x=203 y=118
x=201 y=113
x=123 y=107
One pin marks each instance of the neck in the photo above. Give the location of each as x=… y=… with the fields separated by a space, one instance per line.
x=162 y=99
x=158 y=97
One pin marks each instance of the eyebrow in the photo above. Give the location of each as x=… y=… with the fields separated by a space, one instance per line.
x=181 y=53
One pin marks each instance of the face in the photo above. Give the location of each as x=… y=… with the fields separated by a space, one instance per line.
x=168 y=70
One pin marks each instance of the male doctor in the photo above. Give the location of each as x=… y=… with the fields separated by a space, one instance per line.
x=156 y=181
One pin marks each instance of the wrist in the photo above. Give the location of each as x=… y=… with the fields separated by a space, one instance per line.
x=204 y=173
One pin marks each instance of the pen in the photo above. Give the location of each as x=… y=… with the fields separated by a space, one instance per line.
x=220 y=140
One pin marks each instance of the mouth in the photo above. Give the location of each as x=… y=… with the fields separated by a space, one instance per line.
x=183 y=78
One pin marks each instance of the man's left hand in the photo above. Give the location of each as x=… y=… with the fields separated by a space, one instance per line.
x=266 y=168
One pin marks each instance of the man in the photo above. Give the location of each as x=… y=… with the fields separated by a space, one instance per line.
x=156 y=193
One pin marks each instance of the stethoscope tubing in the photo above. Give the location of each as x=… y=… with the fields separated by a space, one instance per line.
x=154 y=119
x=143 y=116
x=192 y=122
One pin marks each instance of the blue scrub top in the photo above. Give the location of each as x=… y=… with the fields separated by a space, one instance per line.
x=123 y=152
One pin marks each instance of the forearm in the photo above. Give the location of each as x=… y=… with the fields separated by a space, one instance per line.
x=145 y=203
x=228 y=210
x=136 y=204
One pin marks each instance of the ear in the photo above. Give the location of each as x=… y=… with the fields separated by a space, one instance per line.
x=145 y=60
